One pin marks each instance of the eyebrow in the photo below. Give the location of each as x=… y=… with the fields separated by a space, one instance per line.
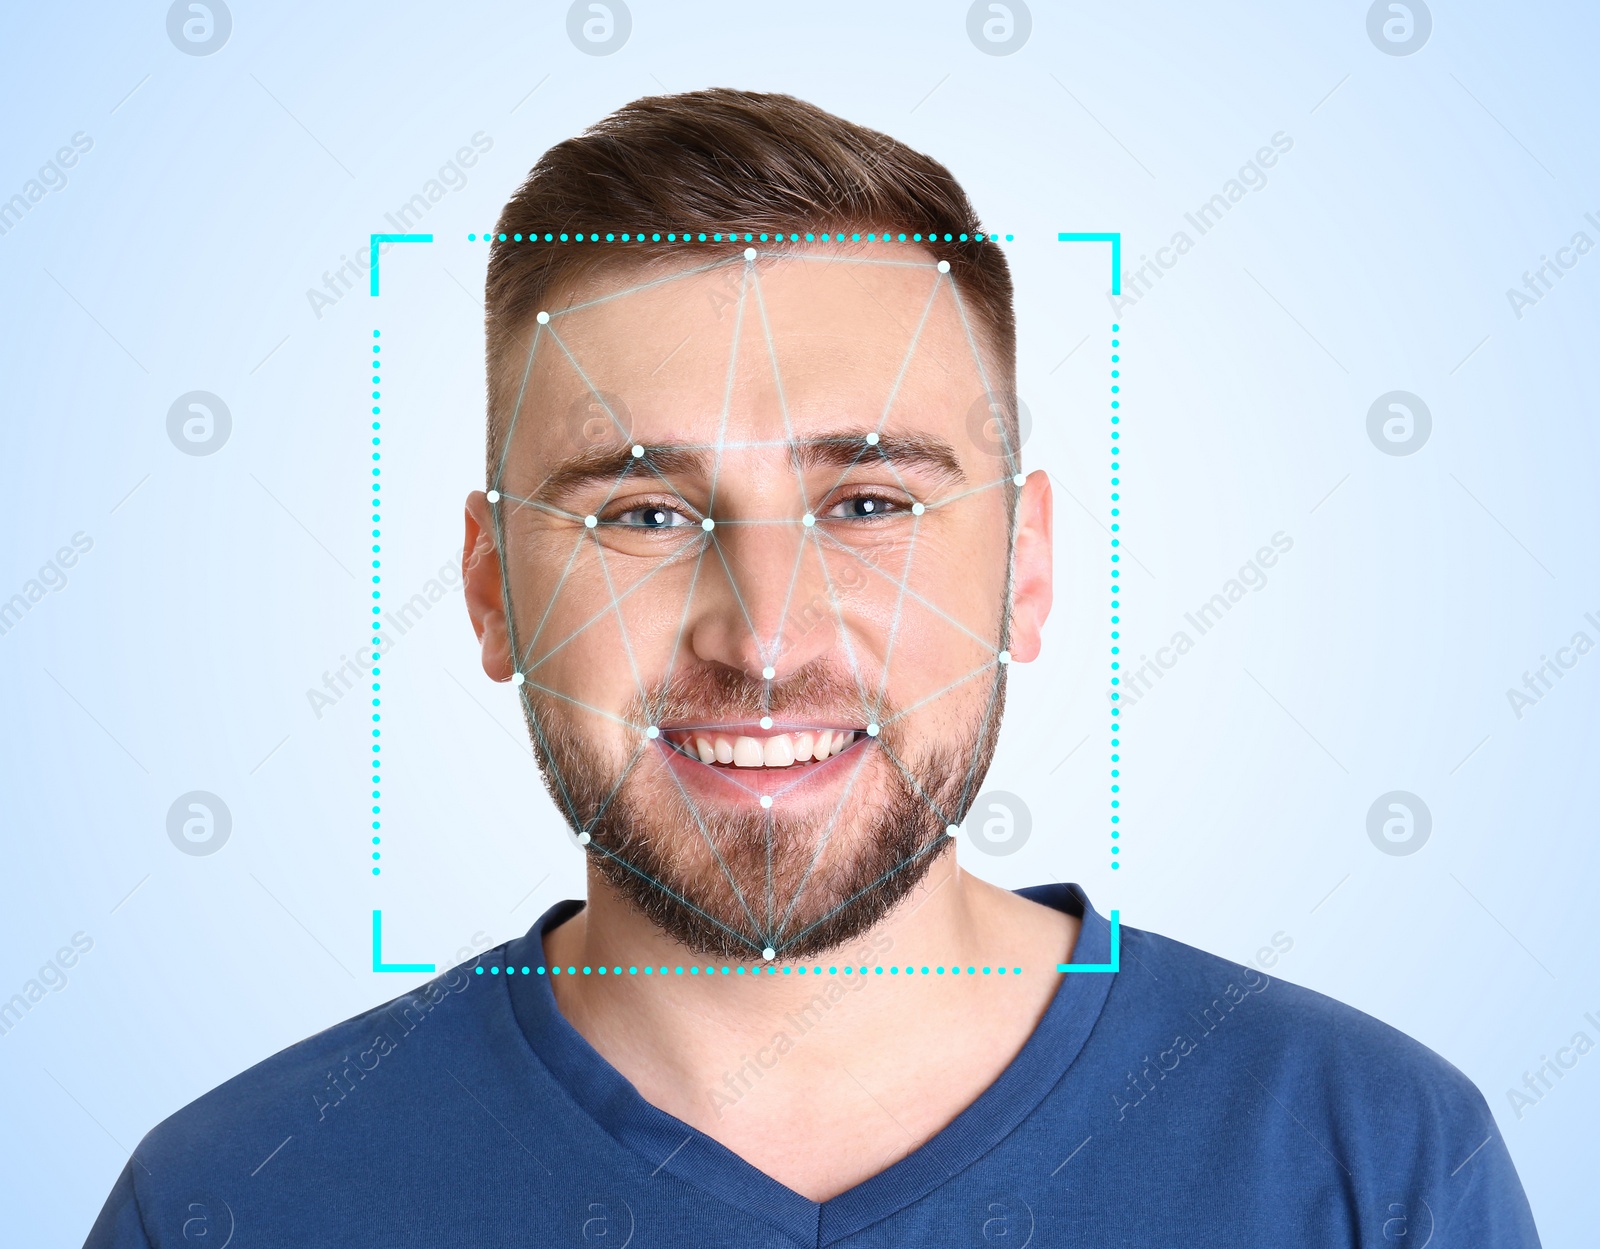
x=609 y=465
x=933 y=456
x=842 y=450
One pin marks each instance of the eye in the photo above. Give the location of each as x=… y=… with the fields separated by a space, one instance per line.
x=650 y=516
x=864 y=507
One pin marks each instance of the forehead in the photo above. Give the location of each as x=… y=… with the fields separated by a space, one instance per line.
x=725 y=351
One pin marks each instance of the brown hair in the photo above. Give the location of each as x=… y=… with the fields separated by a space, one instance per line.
x=722 y=161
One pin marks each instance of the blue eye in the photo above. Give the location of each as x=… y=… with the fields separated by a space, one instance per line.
x=863 y=507
x=652 y=517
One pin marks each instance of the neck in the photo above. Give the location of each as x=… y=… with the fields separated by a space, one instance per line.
x=941 y=921
x=761 y=1063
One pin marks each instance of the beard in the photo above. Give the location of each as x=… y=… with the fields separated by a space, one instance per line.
x=731 y=884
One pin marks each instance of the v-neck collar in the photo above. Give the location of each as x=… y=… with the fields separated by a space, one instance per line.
x=669 y=1144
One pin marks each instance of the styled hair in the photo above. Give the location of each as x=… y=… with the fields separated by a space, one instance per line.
x=720 y=160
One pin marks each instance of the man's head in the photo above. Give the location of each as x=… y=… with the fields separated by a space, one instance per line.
x=757 y=549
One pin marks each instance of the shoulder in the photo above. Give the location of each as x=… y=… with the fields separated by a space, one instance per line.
x=313 y=1074
x=1324 y=1091
x=196 y=1173
x=339 y=1094
x=1290 y=1030
x=1288 y=1109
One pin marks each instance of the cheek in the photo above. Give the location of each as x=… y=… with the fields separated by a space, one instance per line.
x=943 y=625
x=933 y=663
x=579 y=619
x=958 y=572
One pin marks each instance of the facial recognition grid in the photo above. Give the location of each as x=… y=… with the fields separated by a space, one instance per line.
x=769 y=930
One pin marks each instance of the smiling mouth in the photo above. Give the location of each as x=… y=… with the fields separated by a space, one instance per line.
x=754 y=749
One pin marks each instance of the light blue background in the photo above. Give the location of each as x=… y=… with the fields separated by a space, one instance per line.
x=1377 y=657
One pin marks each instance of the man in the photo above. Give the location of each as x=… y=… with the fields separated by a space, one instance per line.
x=757 y=555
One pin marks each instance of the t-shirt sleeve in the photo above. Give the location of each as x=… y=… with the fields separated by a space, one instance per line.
x=120 y=1225
x=1491 y=1208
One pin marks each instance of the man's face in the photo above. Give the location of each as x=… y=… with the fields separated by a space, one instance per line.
x=762 y=661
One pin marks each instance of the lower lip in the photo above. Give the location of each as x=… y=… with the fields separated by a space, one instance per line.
x=731 y=785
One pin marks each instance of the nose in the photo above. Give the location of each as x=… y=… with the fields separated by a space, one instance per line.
x=761 y=603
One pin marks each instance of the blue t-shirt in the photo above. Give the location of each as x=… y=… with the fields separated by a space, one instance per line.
x=1184 y=1101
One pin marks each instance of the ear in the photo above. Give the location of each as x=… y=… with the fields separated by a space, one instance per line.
x=480 y=579
x=1032 y=567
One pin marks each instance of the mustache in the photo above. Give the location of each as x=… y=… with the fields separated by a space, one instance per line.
x=819 y=691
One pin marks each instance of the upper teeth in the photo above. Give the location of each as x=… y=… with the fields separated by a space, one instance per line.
x=780 y=750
